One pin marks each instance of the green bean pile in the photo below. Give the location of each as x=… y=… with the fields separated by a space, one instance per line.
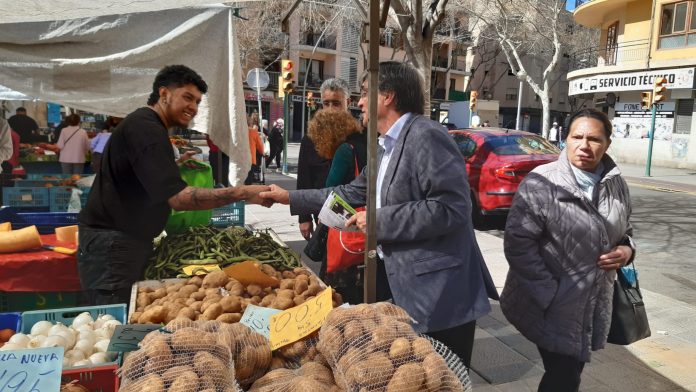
x=209 y=245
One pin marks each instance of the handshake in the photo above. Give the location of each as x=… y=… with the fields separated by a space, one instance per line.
x=266 y=195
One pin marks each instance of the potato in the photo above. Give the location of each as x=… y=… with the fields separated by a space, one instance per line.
x=232 y=284
x=142 y=300
x=421 y=347
x=300 y=271
x=353 y=330
x=191 y=339
x=299 y=299
x=253 y=361
x=153 y=315
x=212 y=312
x=206 y=382
x=294 y=350
x=208 y=302
x=254 y=290
x=330 y=341
x=215 y=279
x=400 y=350
x=336 y=299
x=231 y=304
x=155 y=366
x=288 y=275
x=173 y=372
x=282 y=303
x=187 y=290
x=382 y=337
x=271 y=379
x=391 y=310
x=268 y=270
x=255 y=300
x=304 y=384
x=185 y=382
x=318 y=372
x=197 y=296
x=435 y=369
x=287 y=284
x=229 y=318
x=300 y=286
x=135 y=316
x=407 y=378
x=207 y=363
x=195 y=280
x=158 y=348
x=179 y=323
x=196 y=306
x=371 y=370
x=133 y=364
x=172 y=288
x=267 y=300
x=159 y=293
x=151 y=383
x=314 y=289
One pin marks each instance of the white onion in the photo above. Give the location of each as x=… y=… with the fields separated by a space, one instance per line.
x=82 y=319
x=99 y=323
x=103 y=333
x=41 y=328
x=101 y=346
x=69 y=338
x=84 y=362
x=54 y=341
x=11 y=346
x=75 y=355
x=36 y=341
x=20 y=339
x=85 y=346
x=98 y=358
x=110 y=325
x=57 y=329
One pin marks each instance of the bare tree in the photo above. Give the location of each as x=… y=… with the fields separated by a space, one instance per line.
x=526 y=30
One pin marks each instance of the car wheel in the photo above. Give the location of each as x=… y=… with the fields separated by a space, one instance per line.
x=477 y=217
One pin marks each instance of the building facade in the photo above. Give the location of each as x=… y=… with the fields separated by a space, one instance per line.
x=641 y=40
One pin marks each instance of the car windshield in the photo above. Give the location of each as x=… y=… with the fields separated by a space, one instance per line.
x=520 y=145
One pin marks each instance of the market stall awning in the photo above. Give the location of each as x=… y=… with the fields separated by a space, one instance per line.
x=106 y=64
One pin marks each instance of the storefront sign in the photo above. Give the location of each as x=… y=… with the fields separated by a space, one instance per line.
x=254 y=97
x=681 y=78
x=631 y=122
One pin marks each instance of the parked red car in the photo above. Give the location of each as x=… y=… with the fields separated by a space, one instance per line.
x=497 y=160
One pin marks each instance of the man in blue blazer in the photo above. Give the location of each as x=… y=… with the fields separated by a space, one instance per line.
x=429 y=260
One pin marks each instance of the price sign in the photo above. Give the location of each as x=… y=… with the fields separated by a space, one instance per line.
x=126 y=337
x=33 y=370
x=247 y=273
x=295 y=323
x=203 y=269
x=259 y=319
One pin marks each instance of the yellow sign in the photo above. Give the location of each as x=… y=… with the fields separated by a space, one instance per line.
x=248 y=273
x=295 y=323
x=202 y=269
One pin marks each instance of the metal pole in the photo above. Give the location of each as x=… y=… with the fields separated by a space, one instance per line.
x=258 y=100
x=650 y=143
x=519 y=106
x=370 y=289
x=286 y=126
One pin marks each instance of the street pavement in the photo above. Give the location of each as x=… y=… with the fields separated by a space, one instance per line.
x=503 y=360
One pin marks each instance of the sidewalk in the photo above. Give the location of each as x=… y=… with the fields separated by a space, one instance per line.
x=505 y=361
x=661 y=178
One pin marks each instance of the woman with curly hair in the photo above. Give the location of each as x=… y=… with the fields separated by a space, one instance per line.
x=339 y=136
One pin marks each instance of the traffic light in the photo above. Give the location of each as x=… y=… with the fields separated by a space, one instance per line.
x=286 y=82
x=310 y=100
x=472 y=101
x=659 y=89
x=645 y=100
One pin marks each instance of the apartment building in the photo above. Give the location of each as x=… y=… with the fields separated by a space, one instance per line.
x=640 y=40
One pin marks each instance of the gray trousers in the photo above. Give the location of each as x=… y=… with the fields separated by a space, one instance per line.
x=72 y=168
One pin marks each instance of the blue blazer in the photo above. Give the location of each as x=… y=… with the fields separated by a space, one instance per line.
x=434 y=265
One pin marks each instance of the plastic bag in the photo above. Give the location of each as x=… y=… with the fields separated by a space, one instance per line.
x=75 y=204
x=199 y=175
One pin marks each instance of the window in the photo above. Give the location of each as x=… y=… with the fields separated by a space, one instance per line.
x=466 y=145
x=612 y=43
x=511 y=94
x=678 y=25
x=453 y=84
x=685 y=109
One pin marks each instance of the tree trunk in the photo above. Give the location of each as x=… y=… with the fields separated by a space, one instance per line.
x=545 y=116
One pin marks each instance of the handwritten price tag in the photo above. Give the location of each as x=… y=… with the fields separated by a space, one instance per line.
x=247 y=273
x=191 y=270
x=295 y=323
x=126 y=337
x=34 y=370
x=259 y=319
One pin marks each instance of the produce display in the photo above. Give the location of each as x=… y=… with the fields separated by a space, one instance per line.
x=208 y=245
x=6 y=335
x=219 y=297
x=85 y=341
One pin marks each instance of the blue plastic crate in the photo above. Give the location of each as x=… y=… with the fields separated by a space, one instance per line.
x=60 y=198
x=230 y=215
x=28 y=199
x=45 y=222
x=47 y=176
x=67 y=315
x=36 y=183
x=11 y=320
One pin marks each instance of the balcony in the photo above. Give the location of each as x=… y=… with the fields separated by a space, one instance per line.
x=312 y=39
x=314 y=80
x=632 y=53
x=591 y=13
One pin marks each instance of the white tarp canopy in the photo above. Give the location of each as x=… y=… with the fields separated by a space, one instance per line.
x=107 y=63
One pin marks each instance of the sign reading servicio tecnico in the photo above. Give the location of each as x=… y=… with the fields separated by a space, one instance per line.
x=632 y=81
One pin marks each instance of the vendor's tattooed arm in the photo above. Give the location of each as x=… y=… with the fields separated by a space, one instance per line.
x=191 y=198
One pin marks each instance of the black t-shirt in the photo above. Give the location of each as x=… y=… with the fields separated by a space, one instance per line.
x=24 y=126
x=137 y=176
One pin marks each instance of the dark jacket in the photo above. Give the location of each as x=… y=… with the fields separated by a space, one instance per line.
x=312 y=170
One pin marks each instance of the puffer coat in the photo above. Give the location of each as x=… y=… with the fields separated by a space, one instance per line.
x=555 y=294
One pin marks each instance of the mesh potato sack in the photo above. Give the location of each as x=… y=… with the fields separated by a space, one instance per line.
x=250 y=351
x=311 y=376
x=374 y=348
x=185 y=358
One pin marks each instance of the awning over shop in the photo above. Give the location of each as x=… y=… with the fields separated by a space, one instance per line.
x=106 y=64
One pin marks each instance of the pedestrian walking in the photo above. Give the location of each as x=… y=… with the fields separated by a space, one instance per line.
x=74 y=145
x=275 y=141
x=567 y=233
x=554 y=134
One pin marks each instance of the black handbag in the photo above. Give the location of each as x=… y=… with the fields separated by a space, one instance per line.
x=316 y=246
x=629 y=321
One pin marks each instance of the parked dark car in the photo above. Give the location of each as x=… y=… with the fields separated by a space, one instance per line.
x=497 y=160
